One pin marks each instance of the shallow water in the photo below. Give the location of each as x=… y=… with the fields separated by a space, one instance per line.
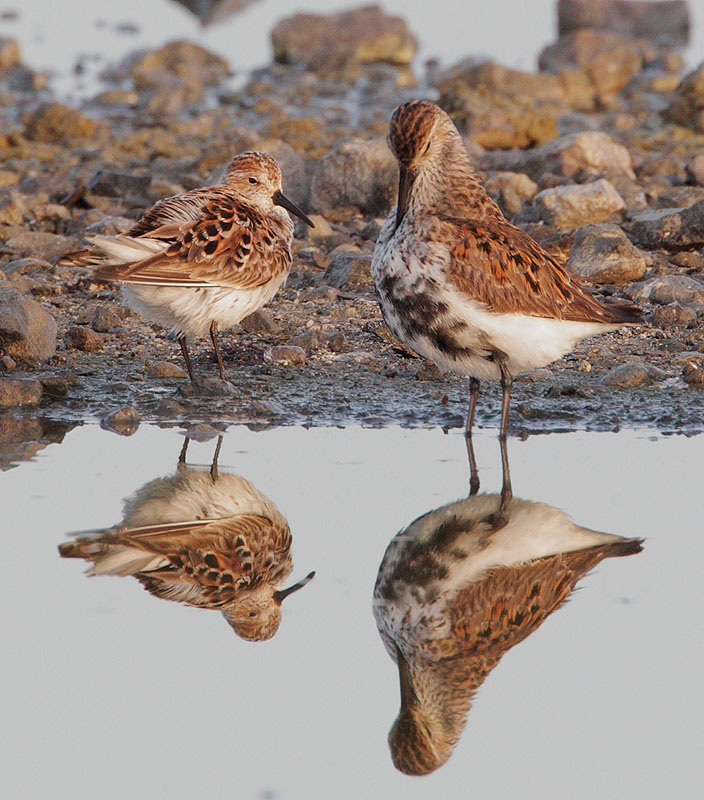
x=115 y=693
x=94 y=32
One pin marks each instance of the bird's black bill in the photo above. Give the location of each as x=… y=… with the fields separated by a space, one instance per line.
x=405 y=183
x=280 y=199
x=279 y=597
x=408 y=695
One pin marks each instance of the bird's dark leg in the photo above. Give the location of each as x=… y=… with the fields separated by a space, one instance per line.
x=473 y=471
x=184 y=450
x=186 y=357
x=506 y=490
x=214 y=338
x=506 y=383
x=216 y=455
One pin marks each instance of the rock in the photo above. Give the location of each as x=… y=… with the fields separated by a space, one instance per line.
x=113 y=183
x=568 y=207
x=261 y=322
x=185 y=60
x=202 y=432
x=580 y=156
x=27 y=330
x=511 y=190
x=169 y=408
x=322 y=230
x=602 y=254
x=39 y=244
x=664 y=20
x=357 y=173
x=18 y=392
x=86 y=339
x=124 y=421
x=695 y=169
x=214 y=11
x=337 y=342
x=166 y=369
x=693 y=375
x=53 y=122
x=349 y=269
x=608 y=60
x=57 y=385
x=20 y=265
x=295 y=183
x=627 y=376
x=310 y=340
x=8 y=363
x=668 y=165
x=335 y=41
x=673 y=315
x=665 y=289
x=104 y=319
x=9 y=53
x=285 y=354
x=687 y=107
x=11 y=210
x=669 y=228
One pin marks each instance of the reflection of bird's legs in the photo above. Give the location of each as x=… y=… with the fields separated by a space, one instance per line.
x=506 y=490
x=186 y=357
x=216 y=455
x=473 y=472
x=214 y=339
x=184 y=450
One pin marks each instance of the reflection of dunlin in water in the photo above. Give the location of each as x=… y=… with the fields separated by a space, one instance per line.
x=457 y=589
x=206 y=539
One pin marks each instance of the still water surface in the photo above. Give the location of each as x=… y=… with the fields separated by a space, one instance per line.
x=113 y=693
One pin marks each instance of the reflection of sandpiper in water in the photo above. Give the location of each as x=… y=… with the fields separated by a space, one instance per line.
x=206 y=539
x=459 y=587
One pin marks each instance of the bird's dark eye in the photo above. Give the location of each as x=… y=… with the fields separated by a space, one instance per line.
x=252 y=613
x=253 y=180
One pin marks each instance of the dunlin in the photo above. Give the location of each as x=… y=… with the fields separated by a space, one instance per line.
x=460 y=284
x=206 y=539
x=456 y=590
x=202 y=261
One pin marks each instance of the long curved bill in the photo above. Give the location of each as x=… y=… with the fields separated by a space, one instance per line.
x=280 y=199
x=279 y=597
x=405 y=183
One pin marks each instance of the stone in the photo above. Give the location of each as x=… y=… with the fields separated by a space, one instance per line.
x=568 y=207
x=185 y=60
x=166 y=369
x=202 y=432
x=214 y=11
x=669 y=228
x=673 y=315
x=8 y=363
x=104 y=319
x=337 y=342
x=693 y=375
x=295 y=182
x=260 y=322
x=53 y=122
x=360 y=173
x=664 y=20
x=11 y=210
x=288 y=354
x=19 y=392
x=329 y=42
x=124 y=421
x=510 y=190
x=667 y=165
x=687 y=107
x=695 y=169
x=40 y=244
x=310 y=340
x=665 y=289
x=57 y=385
x=349 y=270
x=114 y=183
x=603 y=254
x=169 y=408
x=9 y=53
x=627 y=376
x=81 y=338
x=27 y=330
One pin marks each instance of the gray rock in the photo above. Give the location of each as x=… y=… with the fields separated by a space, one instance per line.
x=8 y=363
x=285 y=354
x=695 y=169
x=166 y=369
x=202 y=432
x=665 y=289
x=670 y=228
x=214 y=11
x=40 y=244
x=687 y=107
x=169 y=408
x=511 y=190
x=18 y=392
x=260 y=321
x=104 y=319
x=114 y=183
x=124 y=421
x=11 y=210
x=627 y=376
x=673 y=315
x=602 y=254
x=81 y=338
x=20 y=265
x=27 y=330
x=568 y=207
x=665 y=20
x=349 y=269
x=357 y=173
x=693 y=375
x=296 y=182
x=359 y=36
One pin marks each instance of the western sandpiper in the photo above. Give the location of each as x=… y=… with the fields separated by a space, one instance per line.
x=456 y=590
x=206 y=539
x=458 y=282
x=201 y=261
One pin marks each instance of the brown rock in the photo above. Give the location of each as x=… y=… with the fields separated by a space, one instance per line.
x=9 y=53
x=666 y=20
x=602 y=254
x=27 y=330
x=185 y=60
x=627 y=376
x=349 y=269
x=511 y=190
x=165 y=369
x=17 y=392
x=673 y=315
x=39 y=244
x=285 y=354
x=104 y=319
x=665 y=289
x=693 y=375
x=53 y=122
x=124 y=421
x=568 y=207
x=261 y=322
x=82 y=338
